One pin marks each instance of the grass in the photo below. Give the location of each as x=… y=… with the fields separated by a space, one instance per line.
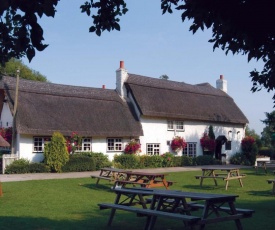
x=72 y=203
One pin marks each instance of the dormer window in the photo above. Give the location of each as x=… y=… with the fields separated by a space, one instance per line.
x=175 y=125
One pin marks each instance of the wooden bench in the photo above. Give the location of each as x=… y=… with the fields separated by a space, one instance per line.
x=272 y=181
x=123 y=183
x=245 y=212
x=235 y=177
x=199 y=177
x=188 y=220
x=102 y=177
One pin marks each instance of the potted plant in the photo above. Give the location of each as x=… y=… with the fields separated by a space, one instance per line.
x=178 y=144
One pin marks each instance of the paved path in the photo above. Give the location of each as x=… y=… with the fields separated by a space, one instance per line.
x=47 y=176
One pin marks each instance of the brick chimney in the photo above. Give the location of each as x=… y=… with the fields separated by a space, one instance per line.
x=221 y=84
x=121 y=77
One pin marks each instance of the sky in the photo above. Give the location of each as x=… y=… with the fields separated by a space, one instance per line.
x=150 y=44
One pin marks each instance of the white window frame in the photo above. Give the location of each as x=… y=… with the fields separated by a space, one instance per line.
x=190 y=149
x=176 y=125
x=39 y=144
x=114 y=144
x=86 y=145
x=153 y=149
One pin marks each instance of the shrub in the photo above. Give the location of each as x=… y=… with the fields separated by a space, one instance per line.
x=38 y=168
x=239 y=159
x=55 y=152
x=249 y=149
x=100 y=159
x=22 y=166
x=18 y=166
x=79 y=163
x=126 y=161
x=186 y=161
x=154 y=161
x=206 y=160
x=177 y=161
x=167 y=159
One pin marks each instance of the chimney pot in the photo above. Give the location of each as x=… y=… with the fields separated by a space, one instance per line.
x=103 y=86
x=221 y=76
x=121 y=65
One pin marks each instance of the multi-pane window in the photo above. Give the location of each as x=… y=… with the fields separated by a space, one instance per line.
x=39 y=143
x=170 y=125
x=153 y=149
x=86 y=145
x=175 y=125
x=179 y=125
x=114 y=144
x=190 y=149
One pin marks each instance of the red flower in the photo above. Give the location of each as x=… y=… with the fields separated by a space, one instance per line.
x=207 y=143
x=132 y=147
x=178 y=143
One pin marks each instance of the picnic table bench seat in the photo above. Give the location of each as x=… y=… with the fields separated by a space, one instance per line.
x=272 y=181
x=102 y=177
x=245 y=212
x=200 y=176
x=149 y=212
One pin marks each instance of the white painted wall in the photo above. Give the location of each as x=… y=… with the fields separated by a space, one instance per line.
x=155 y=131
x=26 y=149
x=6 y=116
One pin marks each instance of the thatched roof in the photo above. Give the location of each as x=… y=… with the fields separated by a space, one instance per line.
x=178 y=100
x=3 y=142
x=46 y=107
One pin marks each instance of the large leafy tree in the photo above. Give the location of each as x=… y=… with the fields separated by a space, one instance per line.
x=25 y=72
x=238 y=26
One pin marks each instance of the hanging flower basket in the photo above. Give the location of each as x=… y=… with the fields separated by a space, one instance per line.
x=178 y=144
x=132 y=147
x=207 y=144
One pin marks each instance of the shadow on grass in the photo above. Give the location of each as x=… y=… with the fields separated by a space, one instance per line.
x=104 y=187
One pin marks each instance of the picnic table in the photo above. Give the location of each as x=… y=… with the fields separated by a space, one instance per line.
x=111 y=174
x=214 y=207
x=226 y=173
x=145 y=179
x=264 y=163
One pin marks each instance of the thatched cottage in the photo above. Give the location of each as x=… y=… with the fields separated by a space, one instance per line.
x=148 y=109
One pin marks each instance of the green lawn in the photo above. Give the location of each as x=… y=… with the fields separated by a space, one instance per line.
x=72 y=203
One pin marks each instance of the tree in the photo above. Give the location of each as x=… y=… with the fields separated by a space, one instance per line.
x=252 y=133
x=164 y=76
x=21 y=34
x=238 y=26
x=55 y=152
x=268 y=134
x=25 y=72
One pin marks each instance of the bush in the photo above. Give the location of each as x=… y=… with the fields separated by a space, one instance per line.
x=186 y=161
x=55 y=152
x=239 y=159
x=206 y=160
x=167 y=159
x=100 y=159
x=177 y=161
x=18 y=166
x=79 y=163
x=38 y=168
x=126 y=161
x=154 y=161
x=22 y=166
